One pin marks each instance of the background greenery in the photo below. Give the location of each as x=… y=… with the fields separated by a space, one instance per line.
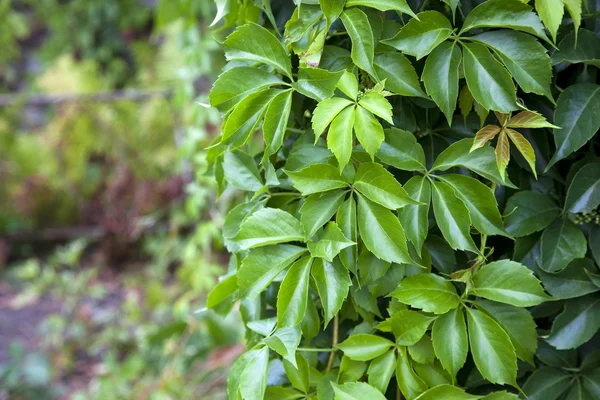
x=109 y=233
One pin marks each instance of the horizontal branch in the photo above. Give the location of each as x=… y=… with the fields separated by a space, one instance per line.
x=136 y=95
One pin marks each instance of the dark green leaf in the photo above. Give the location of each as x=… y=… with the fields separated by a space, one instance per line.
x=577 y=324
x=402 y=151
x=318 y=209
x=584 y=193
x=399 y=74
x=562 y=242
x=363 y=47
x=546 y=384
x=528 y=212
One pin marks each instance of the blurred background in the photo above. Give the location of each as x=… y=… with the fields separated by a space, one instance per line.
x=109 y=231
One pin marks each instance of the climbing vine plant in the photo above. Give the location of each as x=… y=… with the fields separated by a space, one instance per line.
x=419 y=188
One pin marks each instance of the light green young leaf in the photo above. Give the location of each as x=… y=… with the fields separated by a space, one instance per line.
x=364 y=347
x=551 y=13
x=492 y=349
x=356 y=391
x=264 y=264
x=562 y=242
x=268 y=226
x=525 y=58
x=318 y=209
x=276 y=120
x=447 y=392
x=293 y=293
x=339 y=138
x=369 y=131
x=577 y=324
x=511 y=14
x=252 y=42
x=584 y=193
x=528 y=212
x=409 y=326
x=330 y=243
x=326 y=112
x=450 y=343
x=317 y=178
x=420 y=36
x=529 y=119
x=576 y=113
x=489 y=82
x=441 y=77
x=377 y=104
x=381 y=370
x=480 y=201
x=399 y=74
x=382 y=233
x=348 y=85
x=332 y=281
x=332 y=9
x=517 y=323
x=235 y=84
x=401 y=150
x=429 y=292
x=380 y=186
x=452 y=217
x=363 y=47
x=415 y=218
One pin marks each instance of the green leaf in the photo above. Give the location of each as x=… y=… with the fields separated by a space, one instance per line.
x=524 y=147
x=293 y=293
x=264 y=264
x=253 y=381
x=268 y=226
x=276 y=120
x=377 y=104
x=383 y=5
x=578 y=47
x=447 y=392
x=420 y=36
x=442 y=255
x=528 y=212
x=546 y=384
x=318 y=209
x=332 y=281
x=244 y=118
x=332 y=9
x=399 y=74
x=317 y=83
x=450 y=343
x=346 y=220
x=252 y=42
x=452 y=217
x=511 y=14
x=562 y=242
x=223 y=291
x=502 y=152
x=381 y=370
x=529 y=119
x=584 y=193
x=576 y=113
x=241 y=170
x=525 y=58
x=326 y=112
x=282 y=393
x=285 y=341
x=363 y=47
x=380 y=186
x=348 y=85
x=298 y=373
x=339 y=138
x=351 y=370
x=509 y=282
x=551 y=13
x=501 y=396
x=381 y=232
x=409 y=326
x=573 y=281
x=481 y=161
x=428 y=292
x=517 y=323
x=317 y=178
x=480 y=201
x=364 y=347
x=489 y=82
x=401 y=150
x=433 y=374
x=577 y=324
x=235 y=84
x=356 y=391
x=422 y=351
x=330 y=243
x=369 y=131
x=409 y=382
x=492 y=350
x=441 y=77
x=415 y=218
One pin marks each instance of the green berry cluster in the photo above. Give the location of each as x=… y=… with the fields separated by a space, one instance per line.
x=593 y=217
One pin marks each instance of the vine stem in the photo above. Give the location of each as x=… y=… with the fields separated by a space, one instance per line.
x=334 y=342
